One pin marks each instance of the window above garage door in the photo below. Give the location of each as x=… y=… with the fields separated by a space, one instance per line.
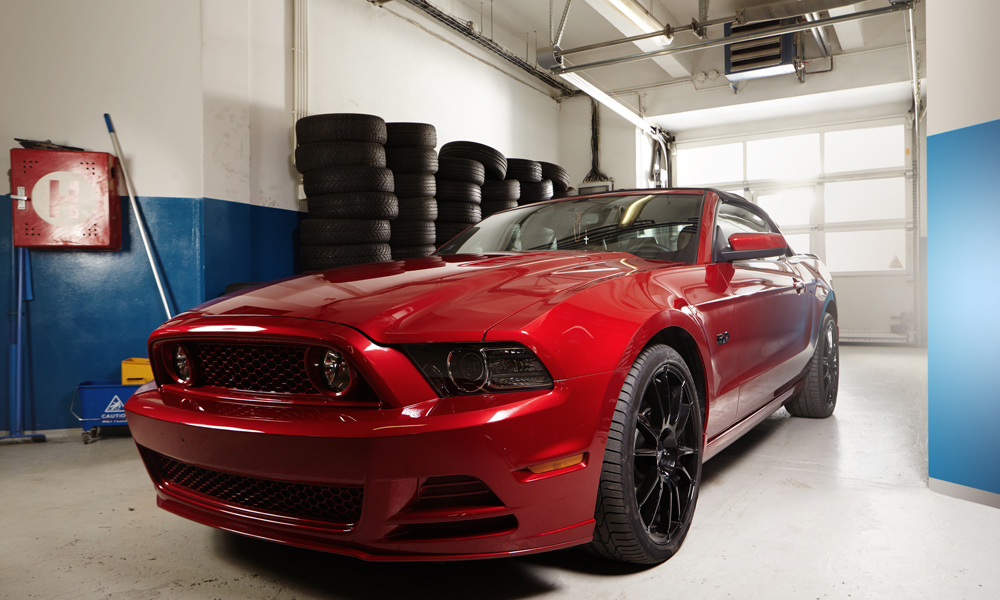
x=843 y=192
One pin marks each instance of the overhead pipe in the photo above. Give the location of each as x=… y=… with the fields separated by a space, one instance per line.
x=819 y=35
x=914 y=74
x=463 y=28
x=740 y=37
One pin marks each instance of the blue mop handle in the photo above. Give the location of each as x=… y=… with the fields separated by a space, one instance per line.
x=138 y=216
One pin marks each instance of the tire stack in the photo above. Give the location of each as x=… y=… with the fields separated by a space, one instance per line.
x=465 y=167
x=411 y=157
x=538 y=180
x=559 y=178
x=349 y=190
x=504 y=194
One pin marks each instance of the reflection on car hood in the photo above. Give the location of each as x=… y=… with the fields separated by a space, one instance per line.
x=437 y=298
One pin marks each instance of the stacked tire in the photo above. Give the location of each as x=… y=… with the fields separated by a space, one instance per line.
x=464 y=169
x=538 y=180
x=411 y=157
x=349 y=190
x=559 y=178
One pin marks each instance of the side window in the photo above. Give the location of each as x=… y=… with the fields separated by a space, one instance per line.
x=734 y=218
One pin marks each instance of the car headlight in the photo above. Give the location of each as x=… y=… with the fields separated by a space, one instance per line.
x=464 y=369
x=181 y=365
x=336 y=372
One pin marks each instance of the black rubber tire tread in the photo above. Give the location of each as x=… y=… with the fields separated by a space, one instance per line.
x=558 y=175
x=569 y=193
x=502 y=191
x=411 y=160
x=401 y=252
x=813 y=401
x=461 y=169
x=493 y=160
x=616 y=534
x=523 y=169
x=458 y=191
x=342 y=180
x=412 y=233
x=411 y=135
x=418 y=209
x=316 y=258
x=415 y=185
x=340 y=127
x=460 y=212
x=446 y=231
x=323 y=155
x=354 y=205
x=324 y=232
x=532 y=192
x=492 y=207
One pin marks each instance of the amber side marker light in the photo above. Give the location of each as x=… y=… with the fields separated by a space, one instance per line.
x=555 y=465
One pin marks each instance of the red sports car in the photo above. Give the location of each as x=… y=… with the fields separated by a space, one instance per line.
x=554 y=376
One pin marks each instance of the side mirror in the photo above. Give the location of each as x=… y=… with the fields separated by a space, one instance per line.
x=750 y=246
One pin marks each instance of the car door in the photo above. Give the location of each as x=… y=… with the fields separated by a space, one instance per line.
x=771 y=308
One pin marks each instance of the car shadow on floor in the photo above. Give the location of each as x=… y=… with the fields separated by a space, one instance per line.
x=311 y=573
x=321 y=574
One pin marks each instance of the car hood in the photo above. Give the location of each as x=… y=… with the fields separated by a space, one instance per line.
x=437 y=298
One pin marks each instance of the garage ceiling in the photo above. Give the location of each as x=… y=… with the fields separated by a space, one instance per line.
x=593 y=21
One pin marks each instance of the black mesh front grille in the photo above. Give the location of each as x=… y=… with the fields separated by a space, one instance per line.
x=272 y=368
x=328 y=503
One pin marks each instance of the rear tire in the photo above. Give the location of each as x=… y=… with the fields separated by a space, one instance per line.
x=652 y=464
x=818 y=398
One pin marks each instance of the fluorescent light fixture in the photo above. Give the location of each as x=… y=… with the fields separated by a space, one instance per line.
x=604 y=98
x=761 y=72
x=638 y=16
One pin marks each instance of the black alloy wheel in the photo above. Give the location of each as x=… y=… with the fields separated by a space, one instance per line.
x=667 y=456
x=831 y=363
x=652 y=462
x=818 y=397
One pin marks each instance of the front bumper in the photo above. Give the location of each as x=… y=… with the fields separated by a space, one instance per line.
x=436 y=479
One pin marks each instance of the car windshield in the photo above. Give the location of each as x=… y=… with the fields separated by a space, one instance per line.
x=652 y=226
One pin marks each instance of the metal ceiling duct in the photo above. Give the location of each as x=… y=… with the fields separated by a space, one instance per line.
x=786 y=9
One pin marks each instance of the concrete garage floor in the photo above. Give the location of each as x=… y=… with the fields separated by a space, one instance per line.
x=837 y=508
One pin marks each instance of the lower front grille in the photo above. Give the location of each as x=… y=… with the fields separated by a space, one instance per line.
x=339 y=505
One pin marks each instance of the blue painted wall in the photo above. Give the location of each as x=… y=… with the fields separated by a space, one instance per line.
x=963 y=213
x=93 y=309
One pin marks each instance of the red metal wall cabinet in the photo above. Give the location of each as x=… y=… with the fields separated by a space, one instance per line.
x=64 y=199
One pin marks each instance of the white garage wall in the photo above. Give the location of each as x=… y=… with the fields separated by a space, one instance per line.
x=247 y=102
x=624 y=153
x=396 y=63
x=65 y=64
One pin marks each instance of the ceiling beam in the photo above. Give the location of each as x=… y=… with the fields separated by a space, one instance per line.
x=674 y=67
x=849 y=33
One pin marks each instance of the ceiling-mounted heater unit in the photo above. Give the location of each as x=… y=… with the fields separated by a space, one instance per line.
x=762 y=57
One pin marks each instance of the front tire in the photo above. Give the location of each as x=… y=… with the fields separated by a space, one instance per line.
x=652 y=465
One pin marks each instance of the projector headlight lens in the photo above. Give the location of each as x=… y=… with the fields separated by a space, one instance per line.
x=464 y=369
x=336 y=372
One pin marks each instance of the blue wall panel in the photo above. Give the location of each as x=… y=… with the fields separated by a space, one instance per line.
x=963 y=212
x=93 y=309
x=247 y=243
